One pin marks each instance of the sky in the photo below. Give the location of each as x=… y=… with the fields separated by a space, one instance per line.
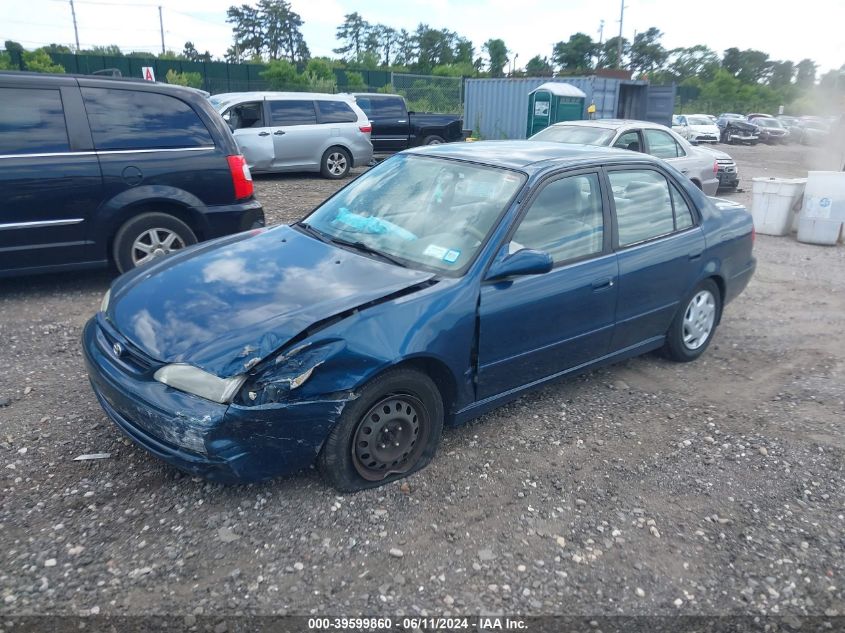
x=528 y=27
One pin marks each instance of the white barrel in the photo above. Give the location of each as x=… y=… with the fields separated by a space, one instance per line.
x=773 y=202
x=823 y=212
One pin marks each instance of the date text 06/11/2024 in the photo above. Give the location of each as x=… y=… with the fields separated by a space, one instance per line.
x=417 y=623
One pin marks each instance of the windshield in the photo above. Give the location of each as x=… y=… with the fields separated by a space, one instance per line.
x=767 y=123
x=419 y=210
x=699 y=120
x=583 y=134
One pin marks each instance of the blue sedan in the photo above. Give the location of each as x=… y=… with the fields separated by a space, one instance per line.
x=438 y=285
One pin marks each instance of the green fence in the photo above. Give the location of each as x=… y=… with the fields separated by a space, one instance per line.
x=217 y=77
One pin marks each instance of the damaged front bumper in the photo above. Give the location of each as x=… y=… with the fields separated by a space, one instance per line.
x=225 y=443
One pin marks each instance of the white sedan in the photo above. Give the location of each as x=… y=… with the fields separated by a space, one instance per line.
x=700 y=166
x=699 y=128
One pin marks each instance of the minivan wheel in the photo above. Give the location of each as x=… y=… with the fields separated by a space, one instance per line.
x=390 y=431
x=433 y=140
x=336 y=163
x=149 y=236
x=694 y=324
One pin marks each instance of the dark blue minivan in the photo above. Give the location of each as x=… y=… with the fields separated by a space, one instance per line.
x=98 y=171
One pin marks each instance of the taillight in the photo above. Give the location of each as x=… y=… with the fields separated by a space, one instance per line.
x=366 y=129
x=241 y=176
x=715 y=167
x=753 y=234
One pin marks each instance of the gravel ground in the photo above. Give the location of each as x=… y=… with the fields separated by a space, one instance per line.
x=648 y=487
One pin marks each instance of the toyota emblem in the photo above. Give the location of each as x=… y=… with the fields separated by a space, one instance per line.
x=117 y=349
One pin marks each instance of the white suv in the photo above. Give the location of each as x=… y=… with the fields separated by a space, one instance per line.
x=298 y=131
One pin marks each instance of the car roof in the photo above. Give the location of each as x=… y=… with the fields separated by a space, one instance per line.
x=98 y=81
x=228 y=97
x=529 y=156
x=612 y=124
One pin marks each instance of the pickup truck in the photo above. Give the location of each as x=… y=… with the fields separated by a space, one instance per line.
x=395 y=129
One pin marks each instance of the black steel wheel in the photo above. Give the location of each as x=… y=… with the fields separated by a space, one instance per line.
x=390 y=431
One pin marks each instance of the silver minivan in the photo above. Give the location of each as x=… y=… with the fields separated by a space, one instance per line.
x=298 y=131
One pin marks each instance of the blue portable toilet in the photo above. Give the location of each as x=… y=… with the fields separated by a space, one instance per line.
x=552 y=102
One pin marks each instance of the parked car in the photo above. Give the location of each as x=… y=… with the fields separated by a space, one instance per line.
x=298 y=131
x=696 y=127
x=793 y=126
x=771 y=130
x=97 y=171
x=736 y=129
x=438 y=285
x=396 y=129
x=814 y=131
x=758 y=115
x=640 y=136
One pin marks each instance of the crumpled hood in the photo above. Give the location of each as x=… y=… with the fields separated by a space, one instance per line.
x=224 y=307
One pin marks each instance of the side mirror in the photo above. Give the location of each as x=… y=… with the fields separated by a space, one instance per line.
x=523 y=262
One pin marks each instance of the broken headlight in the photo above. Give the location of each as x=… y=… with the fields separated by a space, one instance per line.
x=200 y=383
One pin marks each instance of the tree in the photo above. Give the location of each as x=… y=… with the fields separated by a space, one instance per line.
x=353 y=33
x=458 y=69
x=406 y=49
x=805 y=75
x=282 y=75
x=695 y=61
x=193 y=80
x=781 y=74
x=38 y=61
x=112 y=50
x=497 y=54
x=731 y=61
x=248 y=30
x=609 y=53
x=281 y=26
x=647 y=53
x=190 y=53
x=575 y=54
x=753 y=66
x=386 y=39
x=539 y=67
x=15 y=52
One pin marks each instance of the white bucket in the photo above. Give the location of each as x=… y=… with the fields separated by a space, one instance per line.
x=823 y=212
x=773 y=202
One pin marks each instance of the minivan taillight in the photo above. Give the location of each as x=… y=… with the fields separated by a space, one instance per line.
x=715 y=167
x=241 y=177
x=366 y=129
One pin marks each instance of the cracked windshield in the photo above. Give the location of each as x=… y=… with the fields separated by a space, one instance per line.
x=426 y=212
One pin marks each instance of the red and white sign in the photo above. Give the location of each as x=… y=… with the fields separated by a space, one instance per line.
x=148 y=73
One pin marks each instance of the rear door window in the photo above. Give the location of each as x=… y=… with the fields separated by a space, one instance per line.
x=662 y=145
x=32 y=122
x=643 y=205
x=389 y=108
x=299 y=112
x=134 y=119
x=630 y=141
x=336 y=112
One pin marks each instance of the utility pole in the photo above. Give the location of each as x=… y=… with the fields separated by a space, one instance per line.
x=75 y=29
x=619 y=44
x=601 y=32
x=161 y=28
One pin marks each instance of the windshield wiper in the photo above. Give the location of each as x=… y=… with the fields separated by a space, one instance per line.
x=366 y=248
x=314 y=232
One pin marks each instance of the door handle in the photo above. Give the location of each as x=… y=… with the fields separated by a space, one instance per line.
x=278 y=132
x=603 y=284
x=694 y=256
x=264 y=134
x=685 y=171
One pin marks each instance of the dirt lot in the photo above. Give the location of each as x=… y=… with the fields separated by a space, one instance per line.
x=647 y=488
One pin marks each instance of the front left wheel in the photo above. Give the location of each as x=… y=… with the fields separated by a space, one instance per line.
x=694 y=326
x=389 y=432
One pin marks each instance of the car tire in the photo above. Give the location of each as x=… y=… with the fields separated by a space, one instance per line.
x=433 y=139
x=403 y=407
x=155 y=234
x=695 y=323
x=336 y=163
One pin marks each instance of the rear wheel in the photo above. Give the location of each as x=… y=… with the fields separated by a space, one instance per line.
x=433 y=140
x=693 y=327
x=148 y=237
x=389 y=432
x=335 y=163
